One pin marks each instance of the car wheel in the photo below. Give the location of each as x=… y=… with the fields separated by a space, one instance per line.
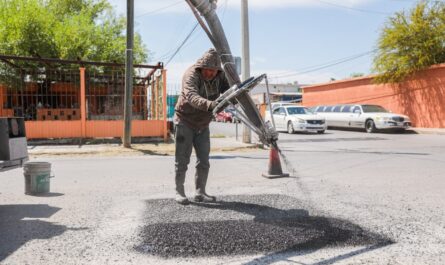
x=320 y=132
x=370 y=126
x=290 y=128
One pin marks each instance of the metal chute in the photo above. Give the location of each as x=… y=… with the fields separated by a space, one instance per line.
x=238 y=94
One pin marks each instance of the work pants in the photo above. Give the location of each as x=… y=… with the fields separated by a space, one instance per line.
x=185 y=139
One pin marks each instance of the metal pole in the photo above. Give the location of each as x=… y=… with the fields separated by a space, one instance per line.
x=245 y=68
x=128 y=98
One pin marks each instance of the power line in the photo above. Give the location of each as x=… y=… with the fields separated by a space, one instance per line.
x=160 y=9
x=353 y=8
x=325 y=65
x=170 y=51
x=188 y=37
x=182 y=44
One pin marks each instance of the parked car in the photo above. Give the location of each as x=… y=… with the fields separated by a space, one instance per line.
x=293 y=118
x=223 y=116
x=369 y=117
x=277 y=104
x=233 y=113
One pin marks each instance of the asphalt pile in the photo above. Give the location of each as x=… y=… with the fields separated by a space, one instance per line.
x=240 y=225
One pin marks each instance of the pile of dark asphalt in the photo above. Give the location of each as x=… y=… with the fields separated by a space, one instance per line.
x=240 y=225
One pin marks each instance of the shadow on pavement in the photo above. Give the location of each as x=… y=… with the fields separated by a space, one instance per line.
x=242 y=225
x=15 y=232
x=220 y=157
x=149 y=152
x=49 y=194
x=345 y=151
x=338 y=139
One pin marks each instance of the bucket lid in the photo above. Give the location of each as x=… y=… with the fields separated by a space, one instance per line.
x=37 y=165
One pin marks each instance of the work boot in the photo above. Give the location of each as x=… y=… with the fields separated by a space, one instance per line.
x=204 y=198
x=181 y=199
x=200 y=185
x=180 y=193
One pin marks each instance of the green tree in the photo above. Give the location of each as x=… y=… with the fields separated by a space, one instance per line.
x=411 y=42
x=354 y=75
x=66 y=29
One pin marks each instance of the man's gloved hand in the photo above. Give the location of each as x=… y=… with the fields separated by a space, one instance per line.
x=213 y=105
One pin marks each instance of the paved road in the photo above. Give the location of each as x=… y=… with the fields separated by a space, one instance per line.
x=355 y=198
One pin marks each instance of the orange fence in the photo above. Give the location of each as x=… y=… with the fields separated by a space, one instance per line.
x=422 y=97
x=84 y=128
x=81 y=104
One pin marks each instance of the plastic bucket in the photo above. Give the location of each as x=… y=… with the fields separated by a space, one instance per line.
x=37 y=177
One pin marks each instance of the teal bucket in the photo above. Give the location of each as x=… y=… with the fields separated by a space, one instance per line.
x=37 y=177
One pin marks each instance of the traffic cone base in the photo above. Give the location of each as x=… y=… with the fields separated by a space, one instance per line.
x=275 y=170
x=283 y=175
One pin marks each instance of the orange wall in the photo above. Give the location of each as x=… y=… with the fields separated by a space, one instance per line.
x=116 y=128
x=422 y=98
x=99 y=129
x=53 y=129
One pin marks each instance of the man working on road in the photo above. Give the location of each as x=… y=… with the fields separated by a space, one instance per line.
x=202 y=84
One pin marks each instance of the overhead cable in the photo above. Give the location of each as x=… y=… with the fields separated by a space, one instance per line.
x=353 y=8
x=159 y=9
x=325 y=65
x=182 y=44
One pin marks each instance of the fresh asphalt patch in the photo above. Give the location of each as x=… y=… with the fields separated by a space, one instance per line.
x=240 y=225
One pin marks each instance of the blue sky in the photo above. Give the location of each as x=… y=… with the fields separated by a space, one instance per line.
x=290 y=40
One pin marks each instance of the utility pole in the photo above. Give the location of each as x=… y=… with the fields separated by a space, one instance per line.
x=128 y=98
x=245 y=68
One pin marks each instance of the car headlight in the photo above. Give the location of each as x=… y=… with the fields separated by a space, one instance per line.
x=301 y=120
x=378 y=118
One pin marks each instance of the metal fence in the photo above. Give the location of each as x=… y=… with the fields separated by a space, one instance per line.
x=51 y=90
x=40 y=94
x=80 y=99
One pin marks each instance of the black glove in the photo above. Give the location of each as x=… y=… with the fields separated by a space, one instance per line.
x=213 y=105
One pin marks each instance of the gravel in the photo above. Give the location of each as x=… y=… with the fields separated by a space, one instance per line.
x=239 y=225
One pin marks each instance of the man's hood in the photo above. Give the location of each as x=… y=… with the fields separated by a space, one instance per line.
x=210 y=59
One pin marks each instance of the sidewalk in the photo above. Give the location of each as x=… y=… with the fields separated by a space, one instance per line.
x=439 y=131
x=218 y=144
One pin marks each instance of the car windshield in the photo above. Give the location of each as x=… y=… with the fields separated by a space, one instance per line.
x=373 y=108
x=298 y=110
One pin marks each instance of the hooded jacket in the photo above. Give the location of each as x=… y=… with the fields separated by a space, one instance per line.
x=197 y=94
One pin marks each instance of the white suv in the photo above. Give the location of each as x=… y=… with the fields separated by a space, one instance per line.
x=369 y=117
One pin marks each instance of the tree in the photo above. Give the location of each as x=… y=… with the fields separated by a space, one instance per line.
x=66 y=29
x=411 y=42
x=354 y=75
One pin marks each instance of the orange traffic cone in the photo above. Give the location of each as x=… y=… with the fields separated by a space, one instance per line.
x=275 y=170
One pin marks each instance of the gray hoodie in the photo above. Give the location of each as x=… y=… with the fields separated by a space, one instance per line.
x=197 y=94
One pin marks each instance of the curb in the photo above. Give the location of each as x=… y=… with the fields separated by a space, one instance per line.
x=437 y=131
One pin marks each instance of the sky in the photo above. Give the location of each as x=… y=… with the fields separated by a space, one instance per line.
x=304 y=41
